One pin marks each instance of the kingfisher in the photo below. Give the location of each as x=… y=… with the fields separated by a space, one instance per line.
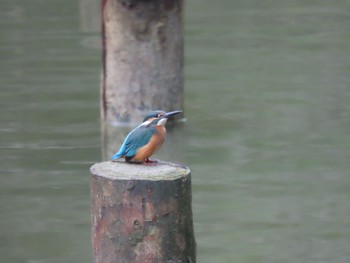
x=145 y=139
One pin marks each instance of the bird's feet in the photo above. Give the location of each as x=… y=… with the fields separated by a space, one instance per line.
x=150 y=162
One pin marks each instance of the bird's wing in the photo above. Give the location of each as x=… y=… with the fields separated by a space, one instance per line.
x=122 y=149
x=138 y=138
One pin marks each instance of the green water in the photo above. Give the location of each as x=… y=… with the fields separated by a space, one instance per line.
x=267 y=132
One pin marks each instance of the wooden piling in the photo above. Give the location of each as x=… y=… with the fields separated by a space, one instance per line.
x=142 y=58
x=142 y=213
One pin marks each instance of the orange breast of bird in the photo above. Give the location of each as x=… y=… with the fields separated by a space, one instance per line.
x=152 y=146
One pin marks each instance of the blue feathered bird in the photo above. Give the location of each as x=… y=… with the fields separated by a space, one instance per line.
x=145 y=139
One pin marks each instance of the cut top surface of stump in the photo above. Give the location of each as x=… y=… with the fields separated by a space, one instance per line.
x=122 y=170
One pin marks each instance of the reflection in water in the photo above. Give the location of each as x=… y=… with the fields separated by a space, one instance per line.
x=90 y=19
x=90 y=15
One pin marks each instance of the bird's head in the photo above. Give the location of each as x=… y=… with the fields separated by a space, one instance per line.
x=153 y=114
x=159 y=117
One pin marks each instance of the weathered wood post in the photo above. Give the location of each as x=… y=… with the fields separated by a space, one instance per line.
x=142 y=213
x=142 y=58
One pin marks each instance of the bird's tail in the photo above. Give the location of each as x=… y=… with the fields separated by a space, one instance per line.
x=119 y=154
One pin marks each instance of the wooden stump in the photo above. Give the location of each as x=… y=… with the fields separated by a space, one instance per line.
x=142 y=58
x=142 y=213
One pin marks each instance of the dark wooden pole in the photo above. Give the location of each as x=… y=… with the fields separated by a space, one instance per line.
x=142 y=213
x=142 y=58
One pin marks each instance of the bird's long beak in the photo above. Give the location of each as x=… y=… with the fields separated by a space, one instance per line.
x=171 y=113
